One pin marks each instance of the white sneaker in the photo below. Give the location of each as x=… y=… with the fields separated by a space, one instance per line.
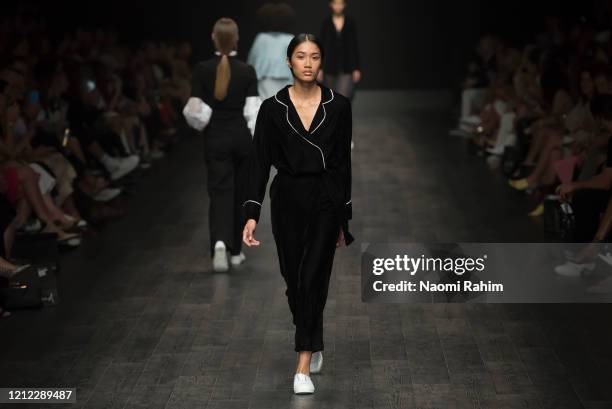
x=458 y=132
x=607 y=258
x=302 y=384
x=119 y=167
x=316 y=362
x=493 y=161
x=157 y=154
x=220 y=257
x=470 y=119
x=107 y=194
x=571 y=269
x=238 y=259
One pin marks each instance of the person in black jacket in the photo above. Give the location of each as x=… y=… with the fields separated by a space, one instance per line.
x=305 y=132
x=224 y=91
x=341 y=68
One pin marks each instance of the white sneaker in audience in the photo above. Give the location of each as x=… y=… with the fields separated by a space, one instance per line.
x=571 y=269
x=607 y=258
x=493 y=161
x=107 y=194
x=220 y=257
x=316 y=362
x=302 y=384
x=237 y=259
x=470 y=120
x=459 y=132
x=119 y=167
x=157 y=154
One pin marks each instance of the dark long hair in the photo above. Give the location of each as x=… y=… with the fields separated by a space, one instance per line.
x=302 y=38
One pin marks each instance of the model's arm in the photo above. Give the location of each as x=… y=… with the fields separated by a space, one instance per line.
x=252 y=102
x=197 y=113
x=259 y=167
x=357 y=57
x=346 y=161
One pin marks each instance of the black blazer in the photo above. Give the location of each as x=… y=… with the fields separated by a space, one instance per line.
x=341 y=50
x=325 y=150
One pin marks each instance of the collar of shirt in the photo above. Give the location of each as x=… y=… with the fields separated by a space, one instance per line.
x=231 y=54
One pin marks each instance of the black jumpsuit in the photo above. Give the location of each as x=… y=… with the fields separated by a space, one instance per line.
x=310 y=199
x=227 y=143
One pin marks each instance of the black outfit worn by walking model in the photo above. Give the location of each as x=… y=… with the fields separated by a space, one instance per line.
x=227 y=146
x=341 y=55
x=310 y=199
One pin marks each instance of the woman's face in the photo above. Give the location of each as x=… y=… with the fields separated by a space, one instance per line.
x=306 y=61
x=586 y=84
x=337 y=6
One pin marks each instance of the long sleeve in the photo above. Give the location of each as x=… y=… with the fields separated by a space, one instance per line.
x=346 y=171
x=196 y=112
x=355 y=42
x=252 y=102
x=259 y=167
x=346 y=161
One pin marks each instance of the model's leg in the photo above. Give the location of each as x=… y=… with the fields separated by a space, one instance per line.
x=345 y=85
x=241 y=176
x=220 y=192
x=315 y=271
x=287 y=225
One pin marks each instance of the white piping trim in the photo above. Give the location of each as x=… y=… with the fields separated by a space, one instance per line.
x=296 y=131
x=245 y=202
x=324 y=112
x=348 y=202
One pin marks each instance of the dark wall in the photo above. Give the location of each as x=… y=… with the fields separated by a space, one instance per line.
x=404 y=44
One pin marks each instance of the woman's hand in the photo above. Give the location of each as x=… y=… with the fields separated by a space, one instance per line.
x=565 y=190
x=340 y=240
x=356 y=76
x=247 y=233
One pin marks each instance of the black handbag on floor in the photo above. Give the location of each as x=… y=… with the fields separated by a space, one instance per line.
x=21 y=296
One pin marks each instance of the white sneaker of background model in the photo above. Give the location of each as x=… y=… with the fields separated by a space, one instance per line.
x=220 y=257
x=302 y=384
x=571 y=269
x=237 y=259
x=107 y=194
x=316 y=362
x=120 y=167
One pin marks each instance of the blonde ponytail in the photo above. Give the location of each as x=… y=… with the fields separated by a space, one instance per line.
x=223 y=77
x=225 y=34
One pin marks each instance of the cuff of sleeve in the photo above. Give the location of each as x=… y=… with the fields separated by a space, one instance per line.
x=348 y=210
x=251 y=210
x=348 y=237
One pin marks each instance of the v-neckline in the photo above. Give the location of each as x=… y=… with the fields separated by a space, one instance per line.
x=307 y=131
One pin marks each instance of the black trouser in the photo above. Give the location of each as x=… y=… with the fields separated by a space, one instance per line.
x=306 y=228
x=588 y=205
x=226 y=153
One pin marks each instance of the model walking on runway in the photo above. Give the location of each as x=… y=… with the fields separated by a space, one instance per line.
x=341 y=69
x=305 y=132
x=225 y=102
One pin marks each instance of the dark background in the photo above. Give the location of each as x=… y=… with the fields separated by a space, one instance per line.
x=404 y=44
